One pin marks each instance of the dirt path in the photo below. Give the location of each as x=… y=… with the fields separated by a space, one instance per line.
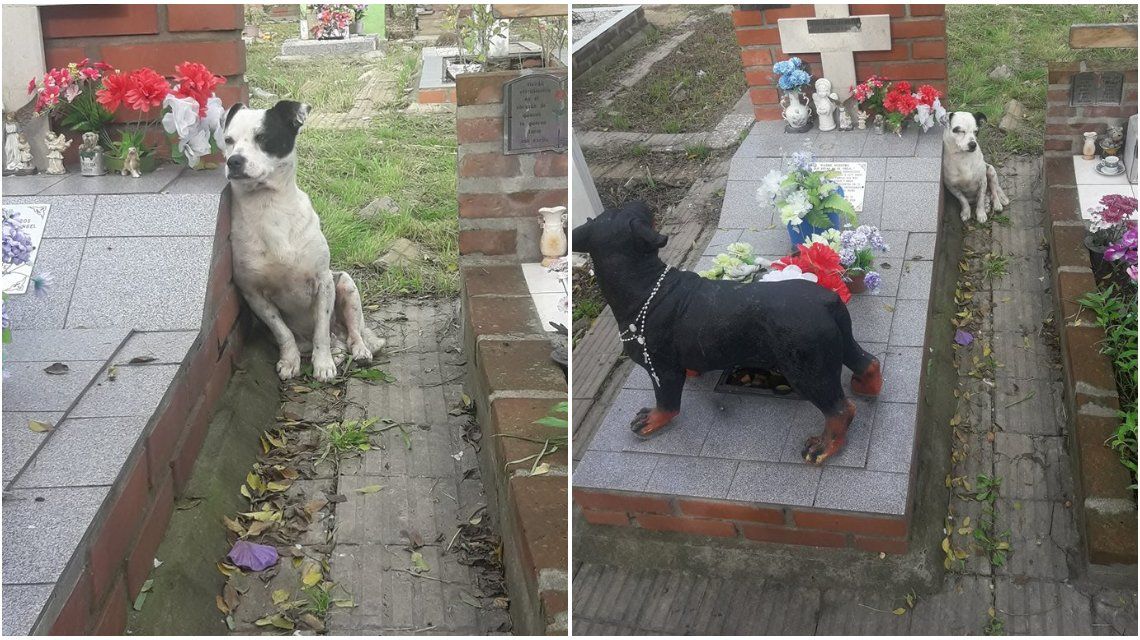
x=1019 y=571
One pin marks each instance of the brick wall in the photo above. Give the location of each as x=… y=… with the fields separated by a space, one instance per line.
x=918 y=33
x=1106 y=506
x=1064 y=124
x=129 y=36
x=94 y=594
x=500 y=195
x=765 y=523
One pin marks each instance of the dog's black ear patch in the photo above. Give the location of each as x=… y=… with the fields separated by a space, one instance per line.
x=979 y=118
x=230 y=114
x=278 y=132
x=644 y=232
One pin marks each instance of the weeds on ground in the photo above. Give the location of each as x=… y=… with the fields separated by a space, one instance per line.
x=1115 y=311
x=347 y=436
x=697 y=152
x=995 y=266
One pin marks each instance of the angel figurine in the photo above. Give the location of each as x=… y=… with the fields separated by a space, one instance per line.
x=826 y=103
x=56 y=144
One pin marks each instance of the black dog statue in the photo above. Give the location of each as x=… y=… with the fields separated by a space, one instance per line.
x=671 y=321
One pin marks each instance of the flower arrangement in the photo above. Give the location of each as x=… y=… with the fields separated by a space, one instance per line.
x=792 y=74
x=70 y=92
x=1113 y=230
x=817 y=263
x=358 y=11
x=193 y=112
x=142 y=91
x=738 y=264
x=897 y=103
x=803 y=195
x=332 y=20
x=856 y=249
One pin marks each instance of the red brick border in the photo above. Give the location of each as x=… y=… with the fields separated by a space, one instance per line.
x=727 y=519
x=513 y=382
x=119 y=552
x=1107 y=508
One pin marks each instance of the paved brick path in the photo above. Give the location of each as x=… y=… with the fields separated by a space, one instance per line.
x=1037 y=591
x=426 y=492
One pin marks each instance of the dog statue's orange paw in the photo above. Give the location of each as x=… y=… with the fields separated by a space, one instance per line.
x=649 y=421
x=820 y=448
x=870 y=382
x=692 y=373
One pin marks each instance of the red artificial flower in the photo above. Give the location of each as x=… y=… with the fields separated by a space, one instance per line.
x=899 y=99
x=114 y=91
x=927 y=95
x=821 y=260
x=103 y=66
x=31 y=86
x=901 y=85
x=89 y=74
x=83 y=62
x=196 y=81
x=147 y=90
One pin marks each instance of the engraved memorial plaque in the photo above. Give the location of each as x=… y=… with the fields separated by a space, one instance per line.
x=1111 y=89
x=32 y=219
x=535 y=113
x=1084 y=90
x=835 y=25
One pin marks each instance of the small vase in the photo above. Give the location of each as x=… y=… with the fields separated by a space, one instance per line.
x=92 y=163
x=796 y=113
x=855 y=283
x=798 y=233
x=880 y=125
x=1089 y=149
x=553 y=241
x=358 y=27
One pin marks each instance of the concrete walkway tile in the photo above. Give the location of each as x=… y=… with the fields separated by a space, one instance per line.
x=750 y=167
x=861 y=613
x=770 y=608
x=112 y=183
x=908 y=329
x=692 y=476
x=135 y=391
x=914 y=170
x=1043 y=608
x=429 y=454
x=960 y=608
x=891 y=145
x=775 y=483
x=156 y=215
x=44 y=526
x=930 y=145
x=412 y=369
x=29 y=388
x=1033 y=407
x=908 y=206
x=29 y=185
x=809 y=422
x=167 y=347
x=902 y=372
x=639 y=379
x=741 y=209
x=861 y=490
x=892 y=437
x=1114 y=613
x=916 y=279
x=872 y=211
x=22 y=605
x=684 y=434
x=60 y=258
x=720 y=241
x=921 y=246
x=208 y=181
x=839 y=143
x=424 y=505
x=84 y=452
x=64 y=345
x=1025 y=356
x=768 y=240
x=871 y=316
x=143 y=283
x=748 y=427
x=20 y=442
x=1025 y=464
x=1040 y=532
x=616 y=470
x=68 y=217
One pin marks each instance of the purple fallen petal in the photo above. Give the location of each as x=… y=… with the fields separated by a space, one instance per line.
x=963 y=338
x=252 y=556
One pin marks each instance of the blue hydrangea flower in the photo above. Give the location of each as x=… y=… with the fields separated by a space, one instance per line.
x=873 y=281
x=782 y=67
x=796 y=62
x=17 y=243
x=803 y=160
x=800 y=77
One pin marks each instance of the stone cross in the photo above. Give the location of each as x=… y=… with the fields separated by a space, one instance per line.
x=836 y=37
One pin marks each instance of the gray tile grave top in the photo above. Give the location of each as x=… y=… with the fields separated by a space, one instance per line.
x=130 y=262
x=352 y=45
x=747 y=448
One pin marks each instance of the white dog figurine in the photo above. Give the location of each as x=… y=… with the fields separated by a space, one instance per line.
x=964 y=170
x=281 y=258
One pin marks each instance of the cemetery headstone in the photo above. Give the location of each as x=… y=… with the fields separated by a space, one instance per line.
x=536 y=114
x=836 y=36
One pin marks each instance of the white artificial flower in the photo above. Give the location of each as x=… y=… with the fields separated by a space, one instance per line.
x=924 y=117
x=769 y=187
x=182 y=118
x=790 y=272
x=215 y=118
x=740 y=272
x=795 y=207
x=195 y=145
x=741 y=250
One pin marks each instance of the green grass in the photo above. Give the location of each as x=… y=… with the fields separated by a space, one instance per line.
x=1026 y=37
x=409 y=158
x=995 y=266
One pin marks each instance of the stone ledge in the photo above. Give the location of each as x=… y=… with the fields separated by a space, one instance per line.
x=513 y=383
x=1109 y=538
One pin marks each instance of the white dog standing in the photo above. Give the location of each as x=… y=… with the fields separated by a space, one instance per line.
x=281 y=258
x=964 y=170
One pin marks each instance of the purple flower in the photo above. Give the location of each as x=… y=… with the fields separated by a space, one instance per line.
x=252 y=556
x=1125 y=248
x=42 y=283
x=963 y=338
x=873 y=281
x=1132 y=272
x=802 y=160
x=8 y=319
x=17 y=243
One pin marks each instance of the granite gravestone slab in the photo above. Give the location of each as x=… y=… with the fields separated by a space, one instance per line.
x=535 y=113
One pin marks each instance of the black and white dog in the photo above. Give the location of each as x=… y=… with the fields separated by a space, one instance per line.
x=281 y=258
x=671 y=321
x=964 y=171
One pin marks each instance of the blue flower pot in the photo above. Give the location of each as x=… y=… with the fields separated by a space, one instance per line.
x=804 y=230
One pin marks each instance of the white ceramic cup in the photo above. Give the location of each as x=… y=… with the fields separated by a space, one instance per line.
x=1111 y=162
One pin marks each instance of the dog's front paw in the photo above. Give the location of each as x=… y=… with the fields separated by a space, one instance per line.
x=965 y=214
x=324 y=369
x=981 y=215
x=289 y=366
x=361 y=352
